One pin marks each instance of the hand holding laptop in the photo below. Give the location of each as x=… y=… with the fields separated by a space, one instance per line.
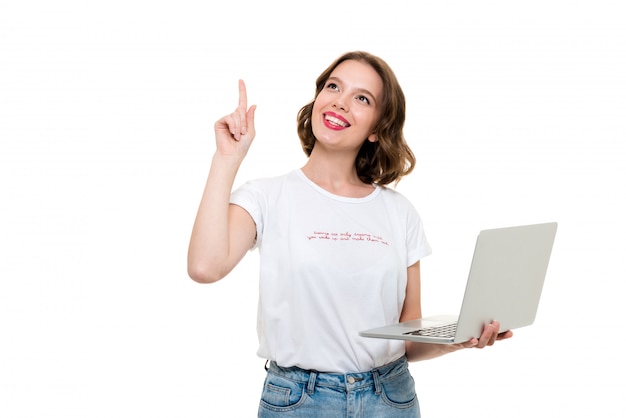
x=491 y=333
x=504 y=284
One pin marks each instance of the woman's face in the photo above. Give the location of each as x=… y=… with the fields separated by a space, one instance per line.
x=346 y=111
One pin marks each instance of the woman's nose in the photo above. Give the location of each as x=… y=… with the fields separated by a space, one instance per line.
x=340 y=103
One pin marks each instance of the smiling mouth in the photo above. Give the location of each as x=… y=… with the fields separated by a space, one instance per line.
x=336 y=121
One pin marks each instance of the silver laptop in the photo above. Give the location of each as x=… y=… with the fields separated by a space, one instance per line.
x=505 y=283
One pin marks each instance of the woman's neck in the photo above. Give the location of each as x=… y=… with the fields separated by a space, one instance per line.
x=336 y=174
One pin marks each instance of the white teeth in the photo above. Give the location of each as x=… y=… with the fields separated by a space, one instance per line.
x=336 y=121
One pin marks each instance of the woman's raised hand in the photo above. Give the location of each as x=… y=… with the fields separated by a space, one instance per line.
x=234 y=132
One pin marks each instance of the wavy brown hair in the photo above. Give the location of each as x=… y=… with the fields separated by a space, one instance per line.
x=388 y=159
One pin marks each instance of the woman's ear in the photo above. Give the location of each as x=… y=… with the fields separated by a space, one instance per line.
x=373 y=137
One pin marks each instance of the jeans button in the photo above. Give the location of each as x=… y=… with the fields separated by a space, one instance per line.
x=351 y=380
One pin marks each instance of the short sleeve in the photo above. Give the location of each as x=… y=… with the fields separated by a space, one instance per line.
x=417 y=243
x=250 y=197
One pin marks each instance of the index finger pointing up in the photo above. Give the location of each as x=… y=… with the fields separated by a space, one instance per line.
x=243 y=98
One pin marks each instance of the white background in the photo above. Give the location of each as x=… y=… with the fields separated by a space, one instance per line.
x=516 y=113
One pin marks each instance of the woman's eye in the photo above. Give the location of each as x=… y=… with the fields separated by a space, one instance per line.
x=332 y=86
x=364 y=99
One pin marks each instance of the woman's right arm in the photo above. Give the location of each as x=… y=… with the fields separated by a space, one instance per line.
x=222 y=233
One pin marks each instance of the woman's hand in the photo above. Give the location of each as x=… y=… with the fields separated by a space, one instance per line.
x=234 y=132
x=423 y=351
x=491 y=333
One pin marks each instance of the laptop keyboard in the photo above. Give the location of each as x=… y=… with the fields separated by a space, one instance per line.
x=442 y=331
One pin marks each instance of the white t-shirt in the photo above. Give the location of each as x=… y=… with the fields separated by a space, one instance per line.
x=330 y=266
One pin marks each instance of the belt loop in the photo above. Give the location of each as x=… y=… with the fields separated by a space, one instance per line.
x=267 y=367
x=310 y=387
x=377 y=385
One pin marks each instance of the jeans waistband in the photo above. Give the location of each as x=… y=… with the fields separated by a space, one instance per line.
x=342 y=381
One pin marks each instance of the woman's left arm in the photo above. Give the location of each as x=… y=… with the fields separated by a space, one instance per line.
x=412 y=309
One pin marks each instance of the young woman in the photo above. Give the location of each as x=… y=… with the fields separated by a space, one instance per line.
x=339 y=250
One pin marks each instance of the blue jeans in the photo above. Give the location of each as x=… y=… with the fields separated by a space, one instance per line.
x=387 y=391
